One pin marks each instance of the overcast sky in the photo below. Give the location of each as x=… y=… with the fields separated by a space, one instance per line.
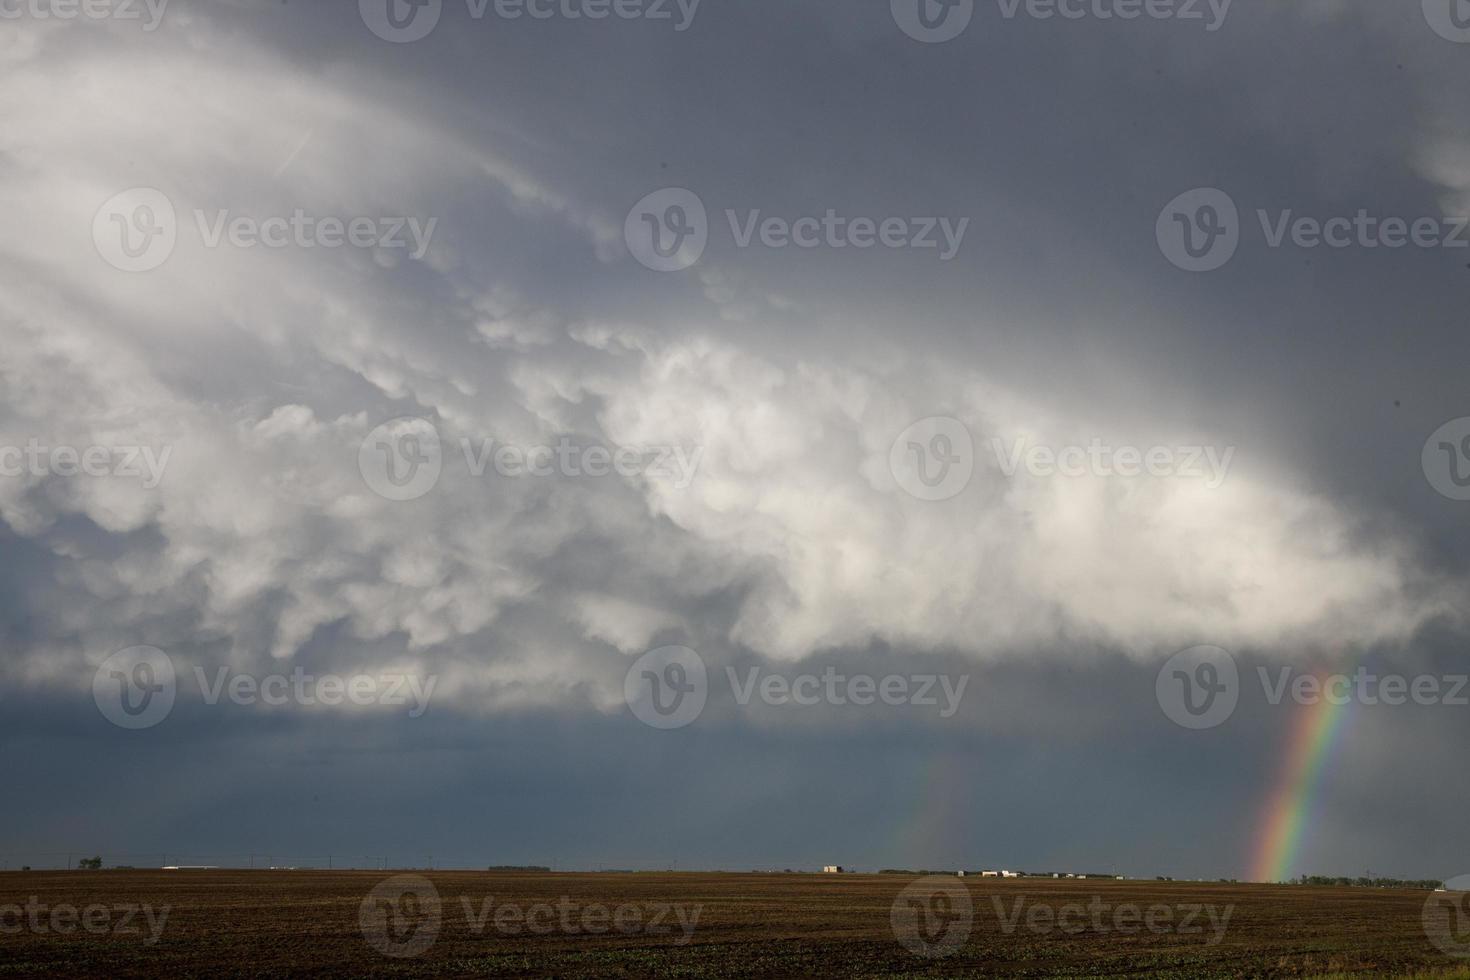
x=1052 y=385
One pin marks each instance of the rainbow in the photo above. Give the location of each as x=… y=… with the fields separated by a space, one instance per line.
x=1314 y=732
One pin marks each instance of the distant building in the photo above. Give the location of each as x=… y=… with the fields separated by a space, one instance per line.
x=959 y=874
x=990 y=874
x=831 y=869
x=1010 y=874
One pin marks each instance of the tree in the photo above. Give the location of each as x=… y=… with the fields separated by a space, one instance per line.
x=90 y=864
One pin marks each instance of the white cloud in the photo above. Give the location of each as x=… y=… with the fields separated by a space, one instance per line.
x=264 y=371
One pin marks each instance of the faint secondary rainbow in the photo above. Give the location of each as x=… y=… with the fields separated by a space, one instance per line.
x=1314 y=732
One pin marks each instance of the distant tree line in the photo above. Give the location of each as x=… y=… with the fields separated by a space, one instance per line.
x=516 y=867
x=1363 y=882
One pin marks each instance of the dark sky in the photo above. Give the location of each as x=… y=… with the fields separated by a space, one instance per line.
x=786 y=414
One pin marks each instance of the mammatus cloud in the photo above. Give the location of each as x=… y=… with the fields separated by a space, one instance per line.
x=261 y=371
